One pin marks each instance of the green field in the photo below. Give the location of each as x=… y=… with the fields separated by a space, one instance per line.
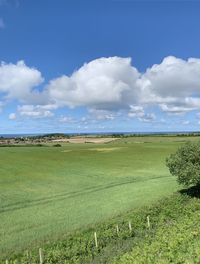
x=46 y=192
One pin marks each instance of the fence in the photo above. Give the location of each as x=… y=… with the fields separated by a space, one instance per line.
x=97 y=236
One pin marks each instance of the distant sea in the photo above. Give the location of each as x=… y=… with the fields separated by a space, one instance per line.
x=18 y=135
x=97 y=133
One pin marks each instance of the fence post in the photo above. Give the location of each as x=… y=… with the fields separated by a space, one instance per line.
x=41 y=255
x=130 y=227
x=28 y=257
x=7 y=261
x=148 y=222
x=117 y=228
x=95 y=239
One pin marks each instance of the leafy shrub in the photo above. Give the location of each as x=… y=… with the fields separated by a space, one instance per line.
x=185 y=164
x=176 y=240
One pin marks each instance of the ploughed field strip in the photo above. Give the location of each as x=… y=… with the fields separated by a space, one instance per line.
x=86 y=140
x=46 y=192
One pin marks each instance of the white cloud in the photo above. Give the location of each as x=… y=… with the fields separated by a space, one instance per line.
x=113 y=84
x=149 y=117
x=12 y=116
x=172 y=84
x=106 y=87
x=105 y=83
x=17 y=81
x=139 y=113
x=136 y=111
x=173 y=77
x=102 y=114
x=177 y=110
x=181 y=105
x=37 y=111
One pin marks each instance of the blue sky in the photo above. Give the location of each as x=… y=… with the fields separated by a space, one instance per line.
x=99 y=65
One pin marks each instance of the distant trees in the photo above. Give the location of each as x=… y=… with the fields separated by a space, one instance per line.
x=185 y=164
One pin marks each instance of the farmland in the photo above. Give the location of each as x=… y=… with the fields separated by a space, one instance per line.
x=46 y=192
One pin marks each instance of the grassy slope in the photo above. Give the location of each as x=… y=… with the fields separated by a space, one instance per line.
x=45 y=192
x=175 y=239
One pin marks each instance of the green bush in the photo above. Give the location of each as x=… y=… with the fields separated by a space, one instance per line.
x=185 y=164
x=176 y=239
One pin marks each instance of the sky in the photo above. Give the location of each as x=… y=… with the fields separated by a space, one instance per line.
x=99 y=66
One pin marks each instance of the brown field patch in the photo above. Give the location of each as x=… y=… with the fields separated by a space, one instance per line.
x=85 y=140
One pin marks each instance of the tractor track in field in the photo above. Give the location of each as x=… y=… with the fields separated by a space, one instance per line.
x=69 y=195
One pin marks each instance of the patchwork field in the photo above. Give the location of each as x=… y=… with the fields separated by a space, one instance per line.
x=46 y=192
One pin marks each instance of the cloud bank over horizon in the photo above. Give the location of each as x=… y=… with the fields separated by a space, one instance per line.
x=106 y=87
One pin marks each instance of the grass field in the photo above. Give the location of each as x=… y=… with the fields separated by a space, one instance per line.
x=48 y=191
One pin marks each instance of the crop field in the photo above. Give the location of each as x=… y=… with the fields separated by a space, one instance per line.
x=46 y=192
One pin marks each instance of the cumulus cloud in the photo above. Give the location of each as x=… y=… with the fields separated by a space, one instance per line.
x=175 y=109
x=149 y=117
x=172 y=84
x=102 y=114
x=106 y=87
x=17 y=81
x=105 y=83
x=36 y=111
x=114 y=84
x=139 y=113
x=136 y=111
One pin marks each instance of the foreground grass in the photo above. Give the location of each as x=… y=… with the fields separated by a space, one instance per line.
x=173 y=237
x=46 y=192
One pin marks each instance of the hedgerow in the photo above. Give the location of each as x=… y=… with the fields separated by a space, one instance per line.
x=175 y=241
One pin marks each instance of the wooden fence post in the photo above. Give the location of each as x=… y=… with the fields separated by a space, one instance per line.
x=28 y=257
x=117 y=228
x=130 y=227
x=41 y=255
x=95 y=239
x=148 y=222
